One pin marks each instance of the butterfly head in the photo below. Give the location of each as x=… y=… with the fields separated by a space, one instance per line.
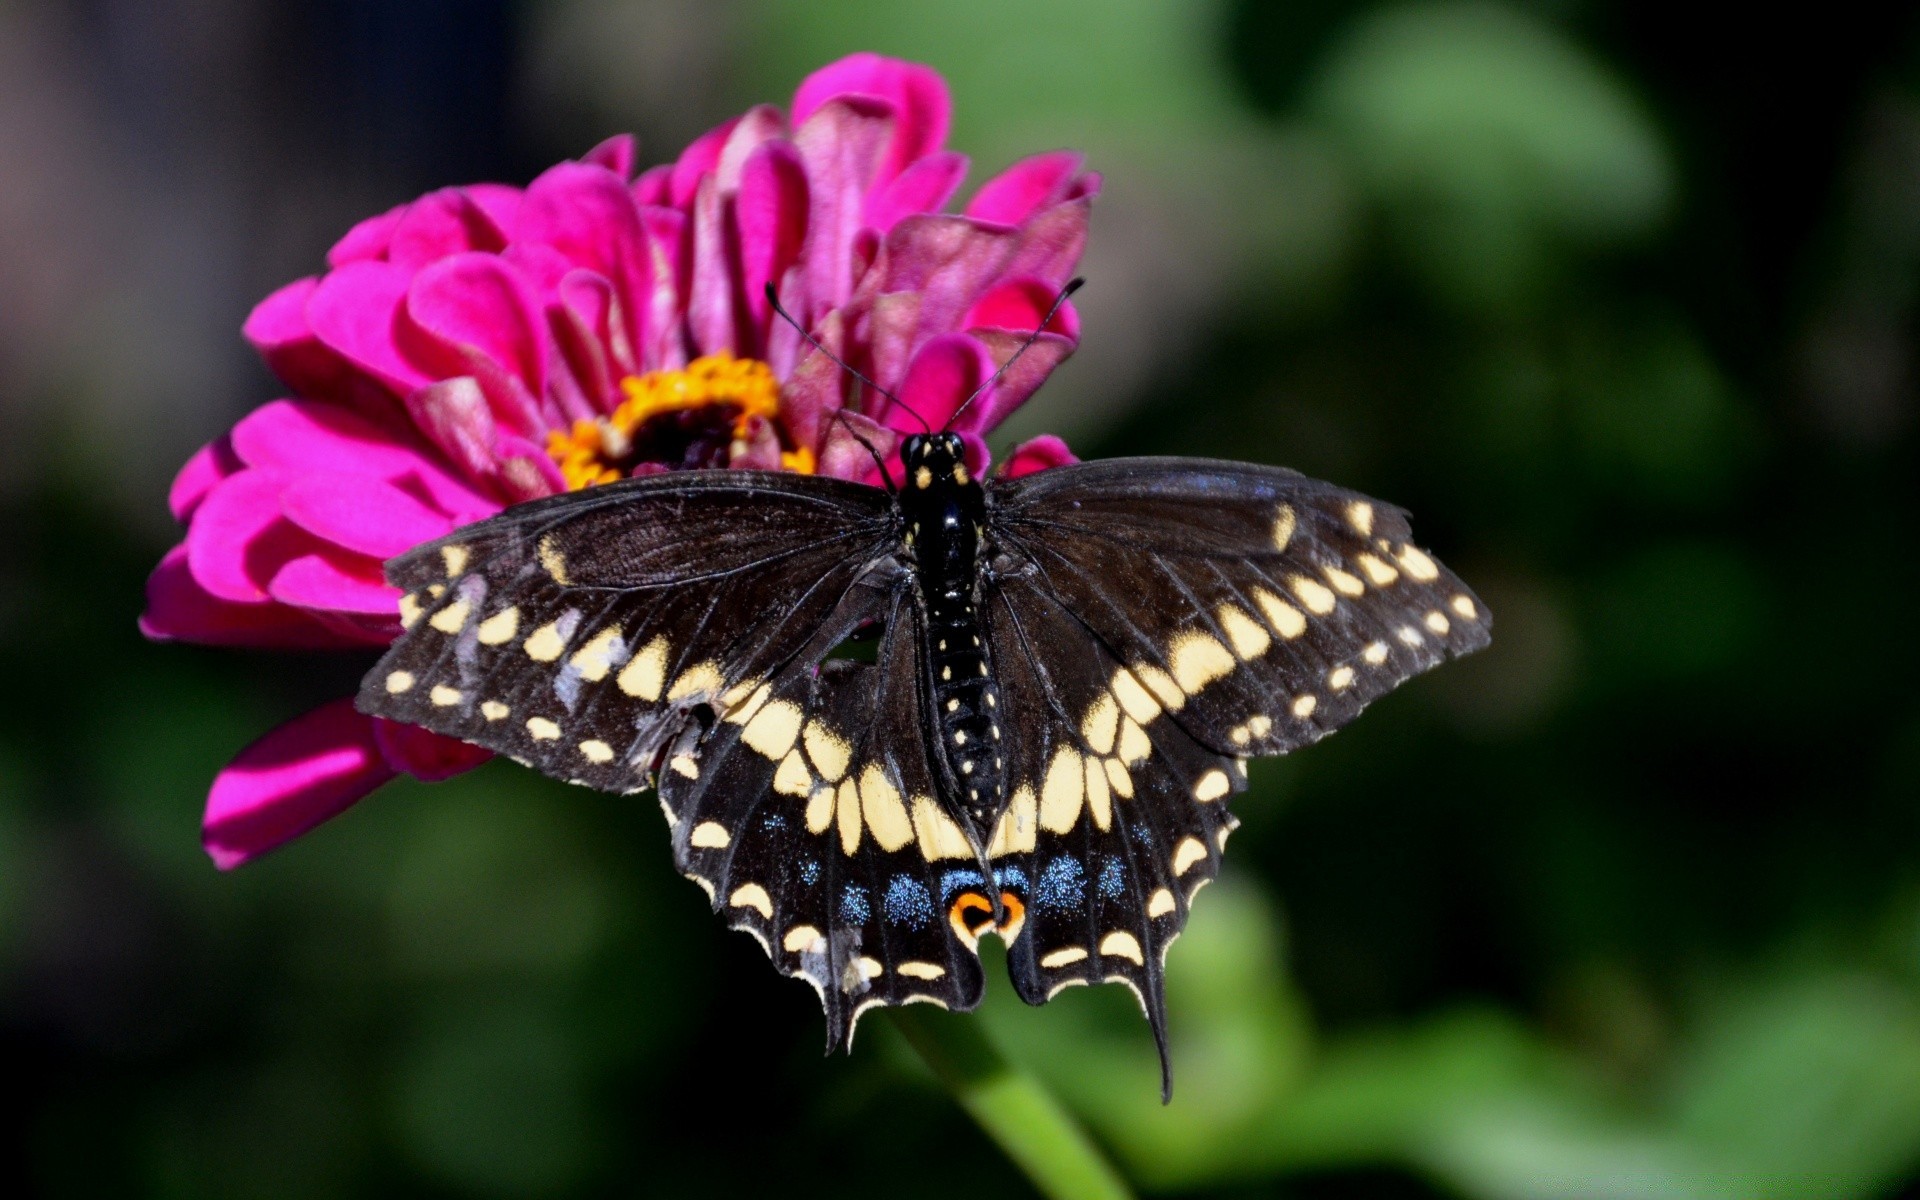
x=931 y=456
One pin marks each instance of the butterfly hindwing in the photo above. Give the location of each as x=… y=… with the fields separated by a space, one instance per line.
x=810 y=815
x=1261 y=608
x=577 y=634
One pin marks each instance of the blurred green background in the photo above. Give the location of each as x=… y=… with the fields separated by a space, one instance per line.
x=1620 y=301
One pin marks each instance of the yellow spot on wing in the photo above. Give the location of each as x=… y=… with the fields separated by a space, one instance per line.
x=1018 y=825
x=594 y=659
x=1062 y=792
x=455 y=558
x=1437 y=621
x=542 y=729
x=829 y=752
x=1121 y=944
x=1160 y=903
x=847 y=809
x=545 y=643
x=1313 y=594
x=1376 y=570
x=1345 y=584
x=646 y=672
x=1053 y=960
x=1198 y=659
x=1360 y=516
x=774 y=729
x=1375 y=653
x=885 y=815
x=1284 y=521
x=444 y=696
x=1213 y=785
x=801 y=938
x=1190 y=851
x=1415 y=562
x=1133 y=697
x=499 y=628
x=1161 y=684
x=493 y=710
x=409 y=610
x=1135 y=745
x=752 y=895
x=1339 y=678
x=1099 y=799
x=819 y=809
x=683 y=765
x=710 y=835
x=596 y=751
x=399 y=681
x=939 y=836
x=451 y=618
x=1463 y=604
x=1101 y=724
x=915 y=969
x=701 y=679
x=1285 y=618
x=1249 y=637
x=554 y=562
x=1118 y=778
x=792 y=778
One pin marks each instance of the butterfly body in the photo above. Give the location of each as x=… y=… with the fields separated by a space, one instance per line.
x=1072 y=670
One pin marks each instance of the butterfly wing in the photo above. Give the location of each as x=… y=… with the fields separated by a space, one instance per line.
x=812 y=817
x=579 y=634
x=1257 y=609
x=1155 y=622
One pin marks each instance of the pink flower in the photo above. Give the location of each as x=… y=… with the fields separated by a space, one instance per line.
x=486 y=345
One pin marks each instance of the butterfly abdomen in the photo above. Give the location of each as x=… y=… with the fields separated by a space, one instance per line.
x=944 y=510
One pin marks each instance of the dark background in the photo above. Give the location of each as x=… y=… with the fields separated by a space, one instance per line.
x=1621 y=302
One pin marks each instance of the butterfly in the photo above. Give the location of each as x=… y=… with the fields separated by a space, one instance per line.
x=1068 y=673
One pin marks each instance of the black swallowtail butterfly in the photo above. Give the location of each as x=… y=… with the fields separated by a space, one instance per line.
x=1071 y=670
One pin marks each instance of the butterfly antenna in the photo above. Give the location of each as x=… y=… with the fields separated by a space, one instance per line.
x=1072 y=287
x=774 y=300
x=879 y=460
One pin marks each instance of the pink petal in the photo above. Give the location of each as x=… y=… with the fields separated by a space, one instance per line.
x=424 y=754
x=525 y=471
x=654 y=187
x=209 y=465
x=756 y=127
x=616 y=154
x=278 y=329
x=696 y=162
x=941 y=377
x=1037 y=454
x=1018 y=304
x=1026 y=187
x=816 y=387
x=1021 y=378
x=478 y=302
x=238 y=537
x=586 y=213
x=307 y=435
x=368 y=240
x=312 y=768
x=354 y=311
x=331 y=580
x=363 y=515
x=179 y=609
x=842 y=145
x=440 y=223
x=915 y=93
x=844 y=456
x=501 y=203
x=710 y=297
x=926 y=186
x=453 y=415
x=771 y=215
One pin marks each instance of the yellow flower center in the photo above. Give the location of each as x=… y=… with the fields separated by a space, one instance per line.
x=699 y=416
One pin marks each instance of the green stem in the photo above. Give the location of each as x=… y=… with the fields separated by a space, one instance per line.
x=1014 y=1109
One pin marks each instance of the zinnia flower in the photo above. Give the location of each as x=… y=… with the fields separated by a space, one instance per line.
x=485 y=345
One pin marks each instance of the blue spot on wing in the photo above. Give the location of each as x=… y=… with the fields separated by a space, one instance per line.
x=1011 y=878
x=810 y=872
x=853 y=905
x=907 y=903
x=1113 y=879
x=1063 y=885
x=954 y=882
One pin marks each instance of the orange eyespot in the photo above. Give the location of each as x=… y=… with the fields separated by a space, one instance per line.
x=971 y=916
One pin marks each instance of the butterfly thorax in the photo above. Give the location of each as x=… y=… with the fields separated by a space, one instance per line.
x=944 y=510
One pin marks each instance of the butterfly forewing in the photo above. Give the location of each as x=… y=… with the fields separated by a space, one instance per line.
x=577 y=634
x=1261 y=609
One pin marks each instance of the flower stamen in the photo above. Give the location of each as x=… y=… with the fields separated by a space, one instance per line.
x=699 y=416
